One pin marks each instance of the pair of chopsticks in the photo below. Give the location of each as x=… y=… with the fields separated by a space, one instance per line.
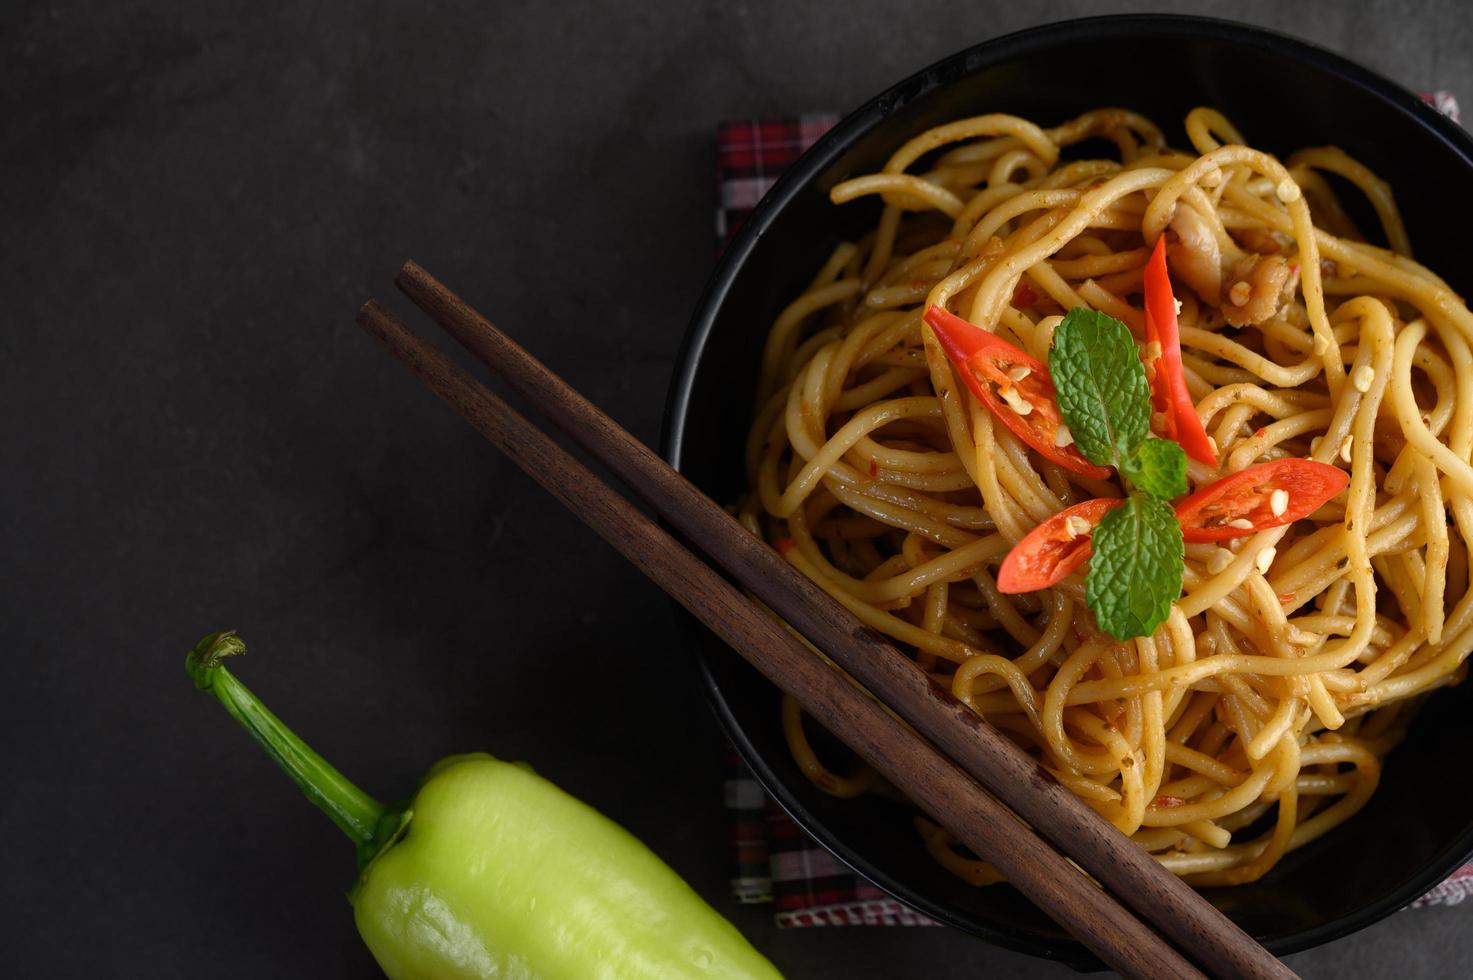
x=972 y=780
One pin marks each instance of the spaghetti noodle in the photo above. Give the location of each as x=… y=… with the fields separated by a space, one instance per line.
x=1256 y=717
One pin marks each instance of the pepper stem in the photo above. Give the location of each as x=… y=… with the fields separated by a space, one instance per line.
x=355 y=812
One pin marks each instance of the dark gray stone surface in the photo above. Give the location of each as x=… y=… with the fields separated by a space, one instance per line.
x=195 y=435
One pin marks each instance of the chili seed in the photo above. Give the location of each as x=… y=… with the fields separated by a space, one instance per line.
x=1265 y=560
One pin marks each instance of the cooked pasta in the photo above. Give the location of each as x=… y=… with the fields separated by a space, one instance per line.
x=1257 y=716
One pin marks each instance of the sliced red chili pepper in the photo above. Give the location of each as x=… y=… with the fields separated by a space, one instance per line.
x=1169 y=392
x=985 y=360
x=1054 y=548
x=1244 y=503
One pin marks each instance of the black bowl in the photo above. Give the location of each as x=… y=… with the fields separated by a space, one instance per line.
x=1284 y=94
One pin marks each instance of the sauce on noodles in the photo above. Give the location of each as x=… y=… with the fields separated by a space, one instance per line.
x=1256 y=717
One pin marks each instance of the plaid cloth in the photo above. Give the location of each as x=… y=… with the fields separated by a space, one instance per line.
x=773 y=860
x=751 y=155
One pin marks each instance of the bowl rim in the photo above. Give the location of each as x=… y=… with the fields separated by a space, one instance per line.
x=797 y=177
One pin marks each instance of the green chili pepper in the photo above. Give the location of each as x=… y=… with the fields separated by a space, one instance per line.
x=492 y=871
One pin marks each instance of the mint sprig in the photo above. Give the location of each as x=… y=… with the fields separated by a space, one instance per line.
x=1135 y=572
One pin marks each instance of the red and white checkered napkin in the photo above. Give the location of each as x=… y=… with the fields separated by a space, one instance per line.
x=773 y=860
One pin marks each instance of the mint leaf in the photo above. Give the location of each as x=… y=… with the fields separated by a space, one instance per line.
x=1101 y=385
x=1136 y=569
x=1158 y=467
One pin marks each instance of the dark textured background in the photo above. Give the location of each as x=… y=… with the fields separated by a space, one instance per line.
x=195 y=435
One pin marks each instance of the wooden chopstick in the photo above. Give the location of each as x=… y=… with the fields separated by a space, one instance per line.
x=910 y=763
x=1190 y=921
